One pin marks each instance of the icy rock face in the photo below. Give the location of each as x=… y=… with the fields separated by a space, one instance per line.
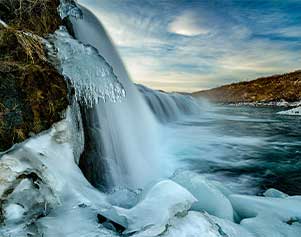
x=162 y=202
x=69 y=8
x=210 y=198
x=71 y=130
x=44 y=193
x=92 y=77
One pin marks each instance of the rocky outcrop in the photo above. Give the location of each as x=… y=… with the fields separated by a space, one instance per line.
x=32 y=93
x=274 y=88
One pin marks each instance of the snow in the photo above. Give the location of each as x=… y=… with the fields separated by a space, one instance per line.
x=90 y=74
x=13 y=213
x=294 y=111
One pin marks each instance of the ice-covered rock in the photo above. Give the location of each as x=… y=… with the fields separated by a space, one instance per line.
x=209 y=196
x=123 y=198
x=267 y=216
x=274 y=193
x=25 y=192
x=294 y=111
x=162 y=202
x=90 y=74
x=195 y=224
x=228 y=228
x=44 y=193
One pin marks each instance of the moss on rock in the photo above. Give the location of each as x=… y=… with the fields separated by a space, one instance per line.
x=36 y=16
x=32 y=93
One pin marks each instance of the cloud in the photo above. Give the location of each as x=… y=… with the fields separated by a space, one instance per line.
x=187 y=24
x=222 y=44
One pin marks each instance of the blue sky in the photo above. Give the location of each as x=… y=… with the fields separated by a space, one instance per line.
x=181 y=45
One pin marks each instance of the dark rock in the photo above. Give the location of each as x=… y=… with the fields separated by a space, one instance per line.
x=110 y=224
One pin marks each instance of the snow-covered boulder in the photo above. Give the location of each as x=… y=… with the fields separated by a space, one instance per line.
x=160 y=204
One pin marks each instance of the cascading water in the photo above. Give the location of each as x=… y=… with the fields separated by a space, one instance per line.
x=169 y=106
x=124 y=133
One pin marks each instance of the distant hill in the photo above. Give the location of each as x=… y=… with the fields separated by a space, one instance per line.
x=265 y=89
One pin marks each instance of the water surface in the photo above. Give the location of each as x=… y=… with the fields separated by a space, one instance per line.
x=248 y=149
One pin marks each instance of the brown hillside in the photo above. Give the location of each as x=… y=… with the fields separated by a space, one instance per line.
x=274 y=88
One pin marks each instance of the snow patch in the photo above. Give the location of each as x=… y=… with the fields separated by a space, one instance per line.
x=295 y=111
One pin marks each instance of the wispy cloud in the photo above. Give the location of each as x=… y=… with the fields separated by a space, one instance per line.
x=190 y=45
x=188 y=24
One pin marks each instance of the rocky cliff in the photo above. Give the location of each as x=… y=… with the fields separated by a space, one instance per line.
x=32 y=93
x=266 y=89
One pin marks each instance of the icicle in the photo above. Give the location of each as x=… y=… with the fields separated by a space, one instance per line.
x=92 y=77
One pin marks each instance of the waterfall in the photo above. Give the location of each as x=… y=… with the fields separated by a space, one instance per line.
x=124 y=134
x=169 y=106
x=123 y=141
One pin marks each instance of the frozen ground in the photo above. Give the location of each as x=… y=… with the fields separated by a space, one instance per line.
x=50 y=197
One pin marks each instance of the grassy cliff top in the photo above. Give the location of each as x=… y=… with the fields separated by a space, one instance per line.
x=36 y=16
x=266 y=89
x=33 y=94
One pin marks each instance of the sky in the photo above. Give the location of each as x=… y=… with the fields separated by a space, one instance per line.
x=191 y=45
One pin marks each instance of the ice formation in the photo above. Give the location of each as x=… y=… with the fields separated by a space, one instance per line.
x=49 y=195
x=209 y=198
x=90 y=74
x=69 y=8
x=163 y=201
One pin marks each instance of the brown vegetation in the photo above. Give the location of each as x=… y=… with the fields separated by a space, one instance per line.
x=37 y=16
x=266 y=89
x=32 y=93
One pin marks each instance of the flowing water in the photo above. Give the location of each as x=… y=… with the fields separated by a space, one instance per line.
x=248 y=149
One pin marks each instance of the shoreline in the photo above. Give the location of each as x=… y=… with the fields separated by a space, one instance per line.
x=282 y=104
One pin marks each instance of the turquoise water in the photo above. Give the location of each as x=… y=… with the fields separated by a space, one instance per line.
x=249 y=149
